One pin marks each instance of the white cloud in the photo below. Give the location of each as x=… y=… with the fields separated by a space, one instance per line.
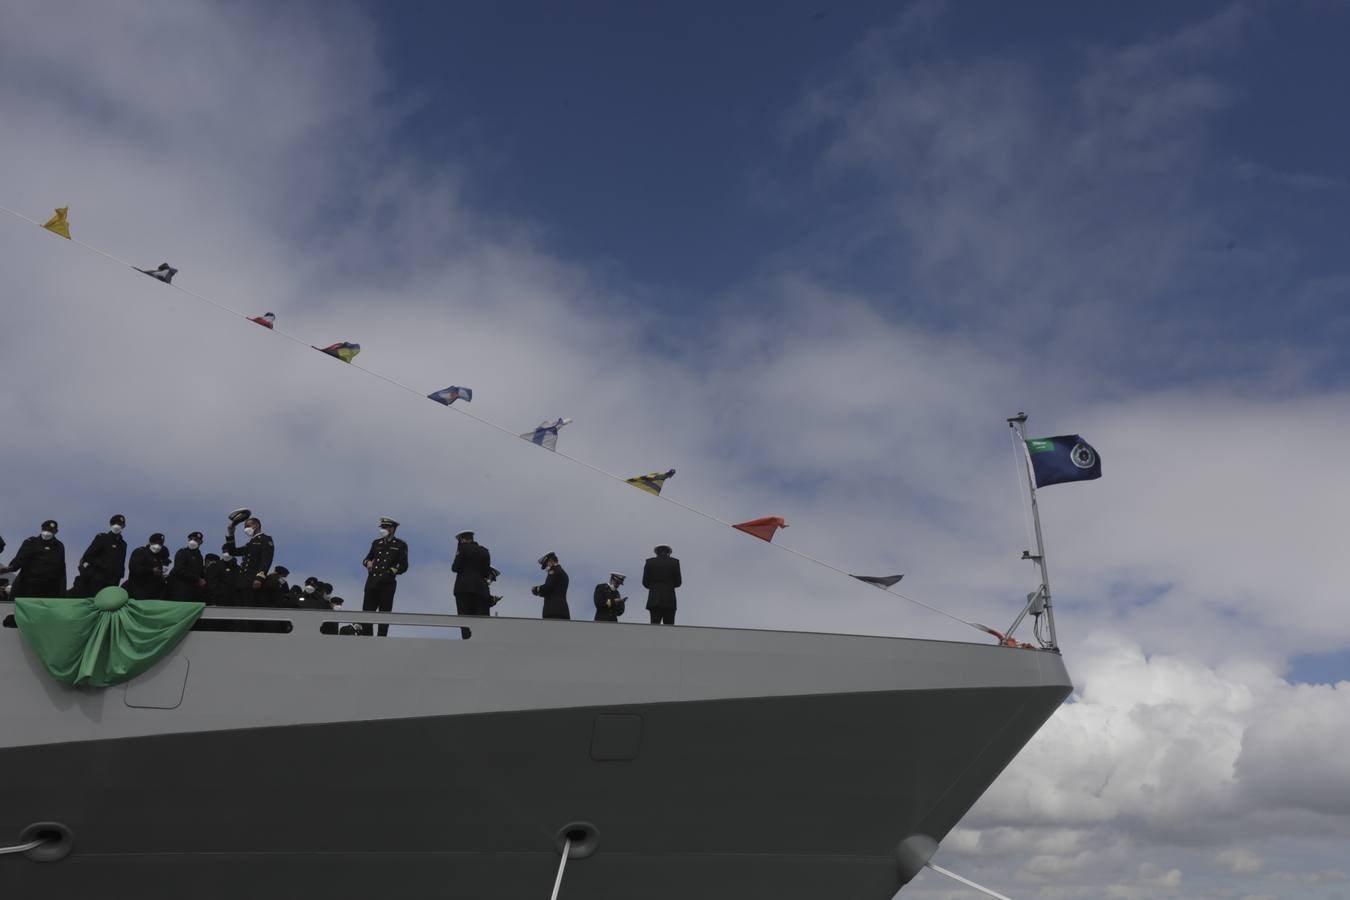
x=254 y=152
x=1156 y=753
x=1239 y=861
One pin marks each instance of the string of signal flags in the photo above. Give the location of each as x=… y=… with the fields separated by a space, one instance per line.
x=544 y=435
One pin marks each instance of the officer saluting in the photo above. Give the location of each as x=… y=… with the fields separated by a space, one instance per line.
x=104 y=562
x=387 y=559
x=41 y=564
x=255 y=557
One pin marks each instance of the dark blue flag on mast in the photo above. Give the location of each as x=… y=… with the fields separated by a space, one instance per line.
x=1067 y=457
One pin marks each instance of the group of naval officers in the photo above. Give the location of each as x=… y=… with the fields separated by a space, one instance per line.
x=243 y=574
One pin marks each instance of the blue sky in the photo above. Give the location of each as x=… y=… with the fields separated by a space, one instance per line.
x=655 y=143
x=811 y=258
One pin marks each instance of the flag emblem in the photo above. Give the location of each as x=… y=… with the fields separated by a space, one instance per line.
x=1066 y=457
x=1083 y=456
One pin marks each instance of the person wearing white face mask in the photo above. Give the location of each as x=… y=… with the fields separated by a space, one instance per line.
x=104 y=563
x=255 y=563
x=41 y=564
x=387 y=559
x=187 y=580
x=145 y=572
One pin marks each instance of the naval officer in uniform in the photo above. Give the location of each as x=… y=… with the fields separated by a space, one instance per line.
x=609 y=604
x=554 y=589
x=473 y=570
x=104 y=562
x=387 y=559
x=41 y=564
x=661 y=576
x=254 y=563
x=187 y=578
x=145 y=572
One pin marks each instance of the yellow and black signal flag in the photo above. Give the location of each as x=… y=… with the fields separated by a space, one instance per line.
x=57 y=224
x=343 y=350
x=652 y=482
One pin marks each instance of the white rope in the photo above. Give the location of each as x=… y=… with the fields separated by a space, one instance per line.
x=21 y=848
x=966 y=881
x=557 y=884
x=502 y=428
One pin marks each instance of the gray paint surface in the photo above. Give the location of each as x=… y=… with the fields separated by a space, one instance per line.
x=772 y=763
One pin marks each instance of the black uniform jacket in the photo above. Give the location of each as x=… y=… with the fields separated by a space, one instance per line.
x=554 y=592
x=606 y=609
x=312 y=601
x=186 y=575
x=472 y=561
x=387 y=557
x=143 y=582
x=257 y=557
x=42 y=568
x=221 y=583
x=661 y=576
x=105 y=560
x=275 y=591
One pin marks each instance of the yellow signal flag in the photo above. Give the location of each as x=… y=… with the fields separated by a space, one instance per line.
x=651 y=482
x=57 y=224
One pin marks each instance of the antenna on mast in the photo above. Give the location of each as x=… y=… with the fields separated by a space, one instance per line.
x=1038 y=601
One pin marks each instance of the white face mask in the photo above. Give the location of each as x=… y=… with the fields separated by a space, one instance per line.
x=250 y=532
x=309 y=589
x=46 y=535
x=384 y=532
x=193 y=545
x=155 y=548
x=116 y=529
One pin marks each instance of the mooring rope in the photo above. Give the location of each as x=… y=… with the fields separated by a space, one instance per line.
x=21 y=848
x=966 y=881
x=557 y=883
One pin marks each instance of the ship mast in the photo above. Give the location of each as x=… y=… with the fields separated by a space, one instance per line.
x=1038 y=601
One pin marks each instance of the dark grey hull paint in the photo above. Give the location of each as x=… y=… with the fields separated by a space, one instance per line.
x=797 y=796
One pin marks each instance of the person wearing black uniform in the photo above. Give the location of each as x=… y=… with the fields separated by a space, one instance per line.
x=472 y=568
x=276 y=588
x=4 y=583
x=187 y=580
x=335 y=604
x=609 y=605
x=104 y=563
x=219 y=583
x=41 y=564
x=387 y=559
x=145 y=572
x=254 y=563
x=661 y=576
x=554 y=588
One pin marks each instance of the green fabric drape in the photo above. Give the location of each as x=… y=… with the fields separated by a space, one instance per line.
x=106 y=640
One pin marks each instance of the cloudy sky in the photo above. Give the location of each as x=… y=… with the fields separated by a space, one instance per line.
x=809 y=256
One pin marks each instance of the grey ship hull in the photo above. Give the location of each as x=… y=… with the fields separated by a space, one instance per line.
x=709 y=763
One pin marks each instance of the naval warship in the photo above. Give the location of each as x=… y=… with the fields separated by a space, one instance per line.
x=264 y=758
